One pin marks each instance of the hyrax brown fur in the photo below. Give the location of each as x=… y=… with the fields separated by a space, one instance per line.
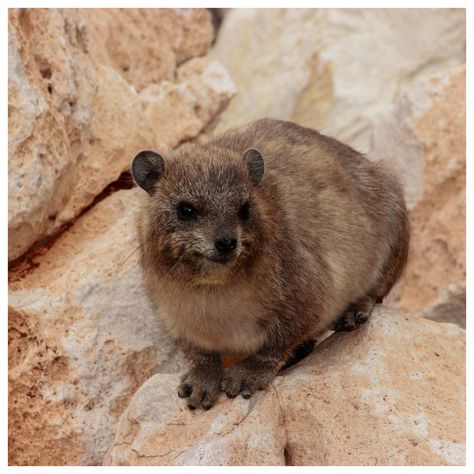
x=260 y=240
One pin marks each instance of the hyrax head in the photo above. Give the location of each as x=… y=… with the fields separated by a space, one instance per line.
x=203 y=215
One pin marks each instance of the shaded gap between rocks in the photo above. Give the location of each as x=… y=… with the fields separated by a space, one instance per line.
x=21 y=266
x=217 y=16
x=288 y=456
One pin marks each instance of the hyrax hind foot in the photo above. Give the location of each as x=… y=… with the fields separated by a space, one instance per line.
x=355 y=315
x=201 y=386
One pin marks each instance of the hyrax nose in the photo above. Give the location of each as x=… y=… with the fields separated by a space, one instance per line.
x=225 y=244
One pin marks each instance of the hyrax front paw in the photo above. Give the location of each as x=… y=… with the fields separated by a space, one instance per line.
x=201 y=386
x=246 y=378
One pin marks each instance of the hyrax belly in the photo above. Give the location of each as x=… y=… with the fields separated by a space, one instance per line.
x=223 y=323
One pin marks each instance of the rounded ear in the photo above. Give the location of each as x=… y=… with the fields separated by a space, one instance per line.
x=255 y=165
x=147 y=167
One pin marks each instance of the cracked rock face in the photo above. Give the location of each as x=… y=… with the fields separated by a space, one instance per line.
x=424 y=136
x=390 y=393
x=88 y=89
x=333 y=69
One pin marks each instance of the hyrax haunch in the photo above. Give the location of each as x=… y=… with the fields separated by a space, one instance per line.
x=260 y=240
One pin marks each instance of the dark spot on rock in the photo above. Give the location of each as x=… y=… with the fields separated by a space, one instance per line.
x=288 y=456
x=46 y=73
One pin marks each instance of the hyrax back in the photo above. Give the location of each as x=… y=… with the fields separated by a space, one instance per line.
x=261 y=239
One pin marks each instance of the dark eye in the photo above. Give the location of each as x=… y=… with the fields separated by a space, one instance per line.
x=244 y=211
x=186 y=211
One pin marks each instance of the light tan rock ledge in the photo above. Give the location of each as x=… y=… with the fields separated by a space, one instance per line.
x=390 y=393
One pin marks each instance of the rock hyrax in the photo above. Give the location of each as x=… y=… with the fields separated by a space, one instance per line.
x=260 y=240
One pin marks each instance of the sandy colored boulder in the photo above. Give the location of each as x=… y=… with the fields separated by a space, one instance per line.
x=424 y=136
x=75 y=115
x=332 y=69
x=390 y=393
x=82 y=338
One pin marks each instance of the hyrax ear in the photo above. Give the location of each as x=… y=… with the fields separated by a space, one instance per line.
x=255 y=165
x=147 y=167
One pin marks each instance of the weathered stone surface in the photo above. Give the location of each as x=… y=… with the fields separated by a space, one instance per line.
x=392 y=392
x=332 y=69
x=146 y=45
x=424 y=135
x=75 y=119
x=183 y=109
x=82 y=338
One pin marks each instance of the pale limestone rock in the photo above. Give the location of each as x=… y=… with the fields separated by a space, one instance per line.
x=146 y=45
x=83 y=338
x=158 y=429
x=182 y=110
x=392 y=392
x=75 y=118
x=332 y=69
x=424 y=136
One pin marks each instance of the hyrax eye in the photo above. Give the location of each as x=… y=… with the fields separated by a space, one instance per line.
x=186 y=211
x=244 y=211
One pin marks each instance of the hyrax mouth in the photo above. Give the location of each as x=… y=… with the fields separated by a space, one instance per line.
x=222 y=259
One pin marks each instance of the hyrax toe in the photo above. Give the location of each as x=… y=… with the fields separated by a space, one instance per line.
x=246 y=390
x=345 y=323
x=185 y=390
x=361 y=317
x=196 y=399
x=231 y=385
x=355 y=315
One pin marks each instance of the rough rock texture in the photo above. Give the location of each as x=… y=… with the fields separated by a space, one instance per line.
x=75 y=116
x=82 y=338
x=424 y=135
x=332 y=69
x=182 y=110
x=392 y=392
x=146 y=45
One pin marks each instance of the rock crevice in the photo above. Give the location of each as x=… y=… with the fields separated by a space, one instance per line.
x=77 y=116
